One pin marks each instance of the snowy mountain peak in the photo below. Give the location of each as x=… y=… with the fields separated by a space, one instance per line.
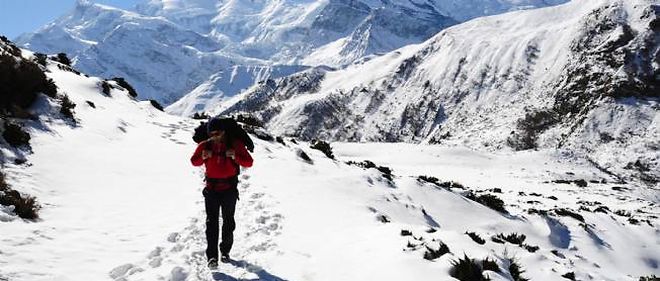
x=205 y=35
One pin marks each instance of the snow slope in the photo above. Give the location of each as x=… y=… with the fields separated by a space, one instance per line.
x=583 y=75
x=121 y=202
x=102 y=184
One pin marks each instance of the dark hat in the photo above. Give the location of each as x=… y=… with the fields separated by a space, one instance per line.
x=220 y=124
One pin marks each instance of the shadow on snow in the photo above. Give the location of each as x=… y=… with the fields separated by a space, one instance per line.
x=262 y=275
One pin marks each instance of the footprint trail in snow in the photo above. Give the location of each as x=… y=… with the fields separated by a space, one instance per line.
x=181 y=255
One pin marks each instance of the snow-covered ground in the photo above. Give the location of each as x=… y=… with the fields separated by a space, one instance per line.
x=121 y=201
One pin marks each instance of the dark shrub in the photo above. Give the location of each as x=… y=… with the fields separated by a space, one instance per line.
x=529 y=248
x=293 y=141
x=622 y=213
x=466 y=269
x=14 y=135
x=200 y=116
x=156 y=105
x=492 y=201
x=432 y=254
x=69 y=69
x=476 y=238
x=49 y=89
x=323 y=147
x=41 y=58
x=249 y=120
x=580 y=183
x=491 y=265
x=428 y=179
x=67 y=107
x=530 y=127
x=105 y=88
x=24 y=206
x=20 y=82
x=533 y=211
x=516 y=271
x=602 y=209
x=280 y=140
x=387 y=172
x=513 y=238
x=405 y=232
x=63 y=59
x=568 y=213
x=366 y=164
x=649 y=278
x=122 y=83
x=496 y=240
x=91 y=104
x=569 y=276
x=488 y=200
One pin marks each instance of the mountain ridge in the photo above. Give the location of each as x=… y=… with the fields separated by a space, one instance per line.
x=209 y=36
x=518 y=81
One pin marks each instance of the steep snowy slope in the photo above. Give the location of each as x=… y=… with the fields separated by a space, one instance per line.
x=101 y=181
x=583 y=75
x=120 y=201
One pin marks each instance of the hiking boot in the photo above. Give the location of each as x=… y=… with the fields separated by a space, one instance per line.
x=225 y=258
x=213 y=263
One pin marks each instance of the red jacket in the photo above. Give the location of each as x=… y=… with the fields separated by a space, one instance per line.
x=218 y=165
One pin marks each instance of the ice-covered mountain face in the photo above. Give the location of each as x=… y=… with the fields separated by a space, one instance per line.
x=160 y=59
x=167 y=49
x=584 y=75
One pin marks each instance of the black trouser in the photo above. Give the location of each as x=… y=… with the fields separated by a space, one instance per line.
x=214 y=202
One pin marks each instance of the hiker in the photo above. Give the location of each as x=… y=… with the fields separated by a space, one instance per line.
x=222 y=154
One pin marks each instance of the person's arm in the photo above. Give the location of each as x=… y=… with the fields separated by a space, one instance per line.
x=241 y=155
x=198 y=158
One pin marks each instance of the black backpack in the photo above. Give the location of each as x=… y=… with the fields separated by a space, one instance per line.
x=201 y=133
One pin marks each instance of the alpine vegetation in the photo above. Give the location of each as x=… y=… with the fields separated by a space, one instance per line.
x=467 y=269
x=24 y=206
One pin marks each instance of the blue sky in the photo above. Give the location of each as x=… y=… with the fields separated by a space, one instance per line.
x=20 y=16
